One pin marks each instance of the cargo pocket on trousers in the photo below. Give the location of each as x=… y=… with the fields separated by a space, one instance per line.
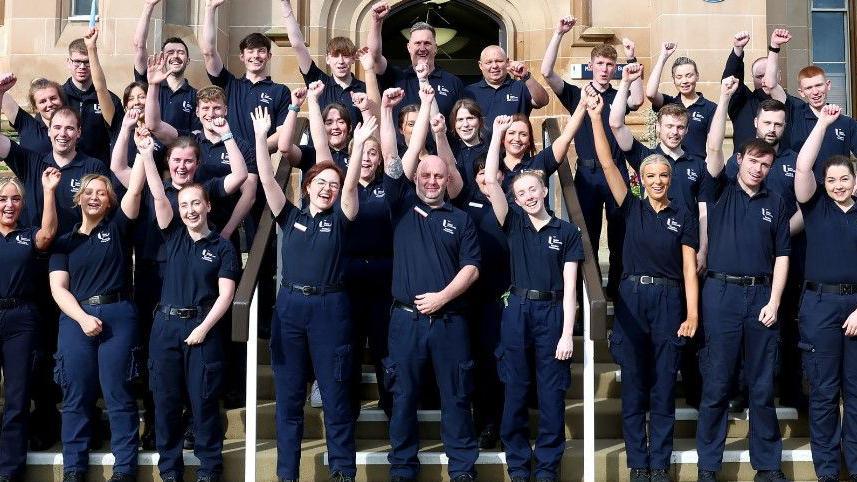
x=212 y=379
x=614 y=342
x=60 y=377
x=502 y=371
x=390 y=371
x=135 y=365
x=808 y=360
x=466 y=383
x=342 y=363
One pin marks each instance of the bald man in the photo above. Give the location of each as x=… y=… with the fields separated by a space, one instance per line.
x=506 y=87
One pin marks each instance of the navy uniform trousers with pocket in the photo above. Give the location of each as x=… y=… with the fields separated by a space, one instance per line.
x=734 y=333
x=84 y=361
x=175 y=366
x=645 y=344
x=18 y=328
x=830 y=364
x=415 y=342
x=529 y=333
x=313 y=332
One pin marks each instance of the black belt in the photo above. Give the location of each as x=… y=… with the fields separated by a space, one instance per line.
x=413 y=309
x=9 y=303
x=835 y=288
x=405 y=306
x=313 y=290
x=589 y=163
x=102 y=299
x=536 y=294
x=185 y=313
x=653 y=280
x=741 y=280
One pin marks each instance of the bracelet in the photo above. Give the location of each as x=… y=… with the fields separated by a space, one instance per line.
x=226 y=137
x=631 y=60
x=294 y=108
x=775 y=50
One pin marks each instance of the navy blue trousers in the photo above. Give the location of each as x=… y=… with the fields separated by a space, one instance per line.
x=830 y=364
x=594 y=195
x=733 y=332
x=18 y=329
x=417 y=341
x=645 y=344
x=313 y=333
x=529 y=333
x=176 y=368
x=84 y=361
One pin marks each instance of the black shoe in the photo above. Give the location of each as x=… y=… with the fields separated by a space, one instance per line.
x=5 y=478
x=660 y=475
x=464 y=478
x=120 y=477
x=639 y=475
x=73 y=477
x=234 y=399
x=189 y=438
x=707 y=476
x=833 y=478
x=547 y=479
x=520 y=479
x=770 y=476
x=208 y=478
x=738 y=404
x=340 y=477
x=399 y=478
x=44 y=429
x=488 y=438
x=171 y=478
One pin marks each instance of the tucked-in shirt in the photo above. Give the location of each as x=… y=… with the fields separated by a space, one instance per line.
x=17 y=256
x=831 y=235
x=243 y=96
x=313 y=247
x=584 y=142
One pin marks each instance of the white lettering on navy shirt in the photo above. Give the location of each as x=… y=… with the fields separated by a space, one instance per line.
x=766 y=215
x=692 y=175
x=554 y=243
x=448 y=227
x=265 y=98
x=788 y=171
x=186 y=107
x=224 y=158
x=511 y=98
x=74 y=185
x=103 y=236
x=697 y=117
x=96 y=108
x=673 y=225
x=378 y=192
x=442 y=90
x=324 y=226
x=208 y=256
x=840 y=134
x=22 y=240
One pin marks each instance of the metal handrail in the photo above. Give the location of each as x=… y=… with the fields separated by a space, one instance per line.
x=591 y=275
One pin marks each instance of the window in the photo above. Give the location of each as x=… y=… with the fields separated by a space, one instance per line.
x=830 y=47
x=177 y=12
x=81 y=9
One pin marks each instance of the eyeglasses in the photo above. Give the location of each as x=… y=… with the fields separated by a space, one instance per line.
x=333 y=185
x=79 y=63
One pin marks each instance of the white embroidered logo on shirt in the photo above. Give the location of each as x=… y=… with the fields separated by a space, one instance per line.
x=673 y=225
x=511 y=98
x=103 y=236
x=697 y=117
x=224 y=158
x=24 y=241
x=840 y=134
x=186 y=107
x=692 y=175
x=265 y=98
x=788 y=171
x=96 y=108
x=378 y=192
x=554 y=243
x=448 y=227
x=74 y=185
x=208 y=256
x=767 y=216
x=442 y=90
x=324 y=226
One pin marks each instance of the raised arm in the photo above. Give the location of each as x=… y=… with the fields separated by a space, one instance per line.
x=621 y=132
x=805 y=184
x=373 y=90
x=316 y=123
x=555 y=82
x=130 y=203
x=348 y=198
x=418 y=136
x=373 y=40
x=296 y=37
x=636 y=97
x=99 y=81
x=261 y=124
x=290 y=152
x=48 y=229
x=237 y=164
x=208 y=40
x=444 y=151
x=714 y=145
x=538 y=95
x=141 y=33
x=652 y=87
x=612 y=174
x=389 y=146
x=163 y=208
x=156 y=73
x=119 y=156
x=561 y=144
x=499 y=203
x=779 y=37
x=9 y=107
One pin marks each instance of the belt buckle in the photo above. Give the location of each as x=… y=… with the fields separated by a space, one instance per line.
x=846 y=290
x=647 y=280
x=749 y=281
x=307 y=290
x=185 y=313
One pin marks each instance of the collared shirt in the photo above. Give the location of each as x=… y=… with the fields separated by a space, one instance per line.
x=495 y=275
x=840 y=138
x=308 y=157
x=178 y=107
x=539 y=256
x=371 y=233
x=17 y=256
x=780 y=179
x=96 y=133
x=243 y=96
x=510 y=97
x=831 y=234
x=448 y=88
x=746 y=234
x=193 y=268
x=32 y=132
x=313 y=246
x=333 y=91
x=465 y=159
x=28 y=166
x=584 y=142
x=543 y=161
x=430 y=246
x=699 y=116
x=97 y=262
x=653 y=240
x=690 y=185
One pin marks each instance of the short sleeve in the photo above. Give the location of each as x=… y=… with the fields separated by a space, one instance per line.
x=229 y=267
x=21 y=161
x=390 y=77
x=281 y=110
x=138 y=77
x=307 y=157
x=122 y=222
x=313 y=74
x=569 y=97
x=573 y=246
x=24 y=121
x=636 y=154
x=468 y=249
x=59 y=258
x=627 y=204
x=223 y=79
x=668 y=99
x=716 y=185
x=249 y=154
x=216 y=187
x=782 y=240
x=282 y=219
x=513 y=219
x=690 y=233
x=395 y=190
x=546 y=161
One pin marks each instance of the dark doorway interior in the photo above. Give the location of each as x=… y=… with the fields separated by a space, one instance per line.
x=474 y=28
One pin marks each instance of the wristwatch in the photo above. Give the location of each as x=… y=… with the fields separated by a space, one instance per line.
x=226 y=137
x=631 y=60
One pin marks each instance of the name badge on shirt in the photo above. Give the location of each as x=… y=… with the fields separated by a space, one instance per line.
x=300 y=227
x=420 y=211
x=475 y=204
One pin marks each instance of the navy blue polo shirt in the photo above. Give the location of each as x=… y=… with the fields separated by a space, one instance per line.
x=448 y=88
x=313 y=247
x=511 y=97
x=32 y=132
x=308 y=157
x=28 y=166
x=543 y=161
x=95 y=133
x=584 y=142
x=214 y=157
x=430 y=246
x=96 y=263
x=243 y=96
x=194 y=267
x=699 y=116
x=746 y=234
x=465 y=159
x=158 y=153
x=371 y=233
x=333 y=92
x=831 y=235
x=539 y=256
x=17 y=256
x=495 y=274
x=780 y=179
x=690 y=184
x=178 y=107
x=653 y=240
x=840 y=138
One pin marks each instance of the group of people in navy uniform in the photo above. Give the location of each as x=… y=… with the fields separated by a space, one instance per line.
x=423 y=234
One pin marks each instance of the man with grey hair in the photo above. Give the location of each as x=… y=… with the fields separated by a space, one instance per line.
x=506 y=88
x=422 y=47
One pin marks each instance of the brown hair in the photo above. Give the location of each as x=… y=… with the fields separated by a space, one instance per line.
x=196 y=185
x=315 y=171
x=212 y=93
x=403 y=114
x=127 y=94
x=254 y=41
x=684 y=61
x=604 y=50
x=111 y=193
x=810 y=71
x=66 y=110
x=79 y=46
x=343 y=113
x=757 y=147
x=341 y=46
x=832 y=161
x=771 y=105
x=523 y=118
x=42 y=84
x=471 y=107
x=534 y=173
x=674 y=110
x=182 y=142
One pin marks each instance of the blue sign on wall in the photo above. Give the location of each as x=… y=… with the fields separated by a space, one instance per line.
x=583 y=72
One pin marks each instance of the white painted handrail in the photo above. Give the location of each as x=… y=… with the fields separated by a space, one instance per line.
x=251 y=395
x=588 y=393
